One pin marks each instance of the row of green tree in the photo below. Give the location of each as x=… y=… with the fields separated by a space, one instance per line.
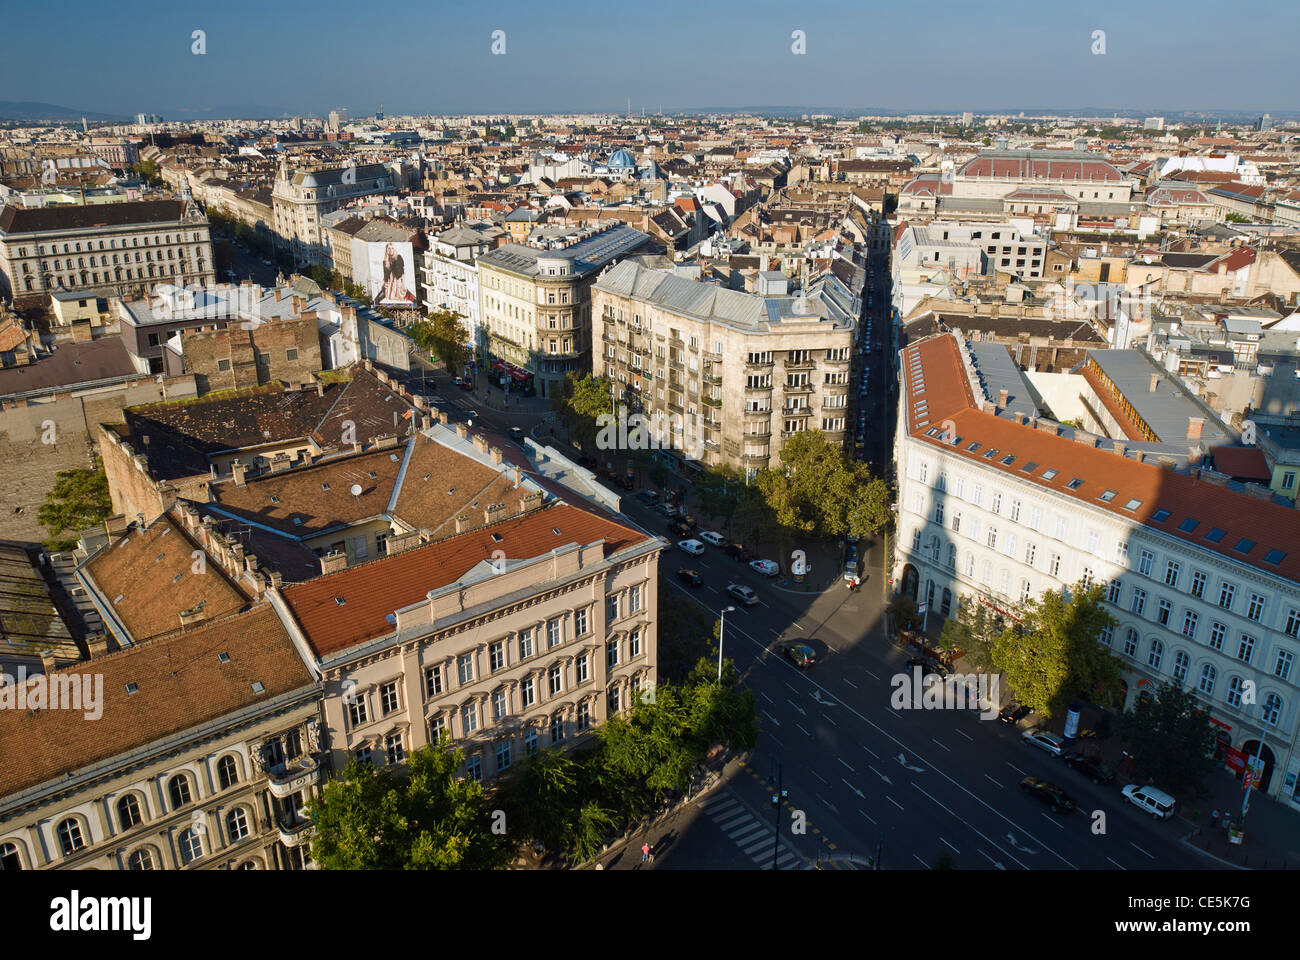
x=568 y=803
x=443 y=334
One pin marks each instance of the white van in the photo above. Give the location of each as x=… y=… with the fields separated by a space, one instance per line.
x=1155 y=802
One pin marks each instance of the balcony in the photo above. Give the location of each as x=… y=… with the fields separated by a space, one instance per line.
x=294 y=832
x=796 y=411
x=755 y=457
x=714 y=379
x=287 y=779
x=843 y=361
x=758 y=415
x=800 y=365
x=758 y=434
x=675 y=408
x=767 y=388
x=712 y=401
x=797 y=387
x=759 y=364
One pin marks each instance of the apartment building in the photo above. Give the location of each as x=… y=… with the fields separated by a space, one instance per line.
x=200 y=754
x=300 y=198
x=106 y=249
x=997 y=504
x=534 y=297
x=743 y=371
x=451 y=279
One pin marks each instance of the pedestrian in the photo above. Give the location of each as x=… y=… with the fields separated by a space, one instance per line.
x=645 y=852
x=1214 y=819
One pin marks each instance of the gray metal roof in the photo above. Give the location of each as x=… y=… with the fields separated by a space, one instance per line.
x=1167 y=409
x=586 y=255
x=997 y=372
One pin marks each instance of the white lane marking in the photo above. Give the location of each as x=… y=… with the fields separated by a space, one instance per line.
x=991 y=780
x=969 y=825
x=869 y=673
x=867 y=815
x=1054 y=822
x=766 y=697
x=932 y=740
x=921 y=862
x=805 y=732
x=1117 y=863
x=772 y=718
x=712 y=589
x=874 y=755
x=819 y=776
x=829 y=720
x=1140 y=850
x=845 y=762
x=893 y=801
x=966 y=735
x=850 y=683
x=775 y=631
x=991 y=860
x=1017 y=769
x=777 y=739
x=950 y=846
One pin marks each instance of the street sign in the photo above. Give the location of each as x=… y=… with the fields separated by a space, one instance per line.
x=921 y=608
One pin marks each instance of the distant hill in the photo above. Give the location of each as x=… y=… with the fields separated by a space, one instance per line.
x=29 y=110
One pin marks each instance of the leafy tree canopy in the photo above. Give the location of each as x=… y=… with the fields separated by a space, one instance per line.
x=1171 y=738
x=78 y=500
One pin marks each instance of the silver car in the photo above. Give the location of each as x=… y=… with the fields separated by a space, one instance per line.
x=1044 y=741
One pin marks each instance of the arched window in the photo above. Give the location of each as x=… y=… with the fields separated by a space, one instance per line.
x=1233 y=695
x=237 y=824
x=1131 y=643
x=191 y=845
x=142 y=859
x=70 y=837
x=1272 y=709
x=10 y=858
x=249 y=865
x=952 y=556
x=128 y=811
x=1208 y=676
x=179 y=790
x=227 y=772
x=1181 y=663
x=1155 y=654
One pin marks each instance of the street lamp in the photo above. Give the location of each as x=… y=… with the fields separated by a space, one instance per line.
x=722 y=630
x=778 y=797
x=1253 y=771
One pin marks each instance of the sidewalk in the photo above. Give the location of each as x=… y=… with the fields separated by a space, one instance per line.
x=1272 y=828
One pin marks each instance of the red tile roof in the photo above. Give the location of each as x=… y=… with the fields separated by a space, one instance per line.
x=371 y=591
x=1242 y=517
x=1241 y=463
x=1040 y=168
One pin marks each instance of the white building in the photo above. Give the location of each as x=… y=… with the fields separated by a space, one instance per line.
x=996 y=505
x=451 y=275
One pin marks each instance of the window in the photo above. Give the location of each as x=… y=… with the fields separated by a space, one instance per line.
x=996 y=503
x=499 y=706
x=128 y=811
x=956 y=521
x=1198 y=584
x=613 y=701
x=611 y=608
x=977 y=495
x=237 y=824
x=1113 y=591
x=1131 y=643
x=465 y=668
x=1031 y=553
x=223 y=365
x=554 y=632
x=474 y=768
x=141 y=859
x=178 y=789
x=1255 y=609
x=1282 y=668
x=1171 y=573
x=1234 y=692
x=1245 y=648
x=503 y=755
x=584 y=716
x=497 y=655
x=1163 y=611
x=938 y=513
x=1058 y=528
x=393 y=747
x=556 y=679
x=1054 y=565
x=527 y=692
x=432 y=681
x=634 y=599
x=70 y=838
x=1035 y=517
x=365 y=756
x=1181 y=662
x=191 y=845
x=1121 y=553
x=291 y=354
x=1272 y=709
x=525 y=644
x=1087 y=577
x=469 y=718
x=1139 y=600
x=581 y=668
x=1025 y=590
x=1155 y=654
x=611 y=654
x=1144 y=564
x=1015 y=511
x=993 y=537
x=580 y=623
x=1094 y=542
x=1107 y=634
x=1226 y=592
x=557 y=728
x=1190 y=619
x=1293 y=623
x=530 y=742
x=437 y=727
x=227 y=772
x=1217 y=632
x=388 y=697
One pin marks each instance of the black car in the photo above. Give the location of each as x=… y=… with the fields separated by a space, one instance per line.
x=800 y=654
x=648 y=496
x=1048 y=793
x=928 y=665
x=1014 y=712
x=1090 y=767
x=737 y=552
x=690 y=577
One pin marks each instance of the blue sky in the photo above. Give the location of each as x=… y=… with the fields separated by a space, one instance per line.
x=300 y=57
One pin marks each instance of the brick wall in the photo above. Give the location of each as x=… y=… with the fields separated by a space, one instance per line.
x=237 y=348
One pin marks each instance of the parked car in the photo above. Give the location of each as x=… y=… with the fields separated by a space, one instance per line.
x=466 y=385
x=1150 y=800
x=668 y=510
x=1044 y=741
x=693 y=547
x=1014 y=712
x=851 y=570
x=800 y=654
x=517 y=435
x=768 y=568
x=1090 y=767
x=457 y=381
x=711 y=538
x=1048 y=793
x=689 y=577
x=679 y=530
x=742 y=593
x=737 y=552
x=648 y=497
x=928 y=666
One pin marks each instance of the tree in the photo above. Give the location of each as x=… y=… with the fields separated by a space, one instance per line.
x=429 y=819
x=1055 y=654
x=578 y=403
x=905 y=613
x=821 y=491
x=541 y=800
x=1171 y=738
x=78 y=500
x=443 y=334
x=972 y=629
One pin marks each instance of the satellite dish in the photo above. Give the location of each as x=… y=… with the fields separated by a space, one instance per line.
x=356 y=490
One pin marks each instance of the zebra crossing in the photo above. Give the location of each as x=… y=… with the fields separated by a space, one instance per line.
x=752 y=834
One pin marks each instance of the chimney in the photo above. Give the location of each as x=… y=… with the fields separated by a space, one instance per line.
x=1258 y=491
x=480 y=443
x=530 y=502
x=1002 y=398
x=1120 y=447
x=1194 y=426
x=494 y=512
x=356 y=446
x=1085 y=438
x=495 y=453
x=1048 y=426
x=280 y=463
x=115 y=525
x=1155 y=382
x=48 y=662
x=238 y=469
x=298 y=304
x=462 y=431
x=320 y=389
x=97 y=645
x=333 y=562
x=517 y=476
x=277 y=580
x=194 y=614
x=277 y=294
x=443 y=418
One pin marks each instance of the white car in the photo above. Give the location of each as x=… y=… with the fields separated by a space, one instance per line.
x=742 y=593
x=767 y=568
x=1044 y=741
x=693 y=547
x=711 y=538
x=1150 y=800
